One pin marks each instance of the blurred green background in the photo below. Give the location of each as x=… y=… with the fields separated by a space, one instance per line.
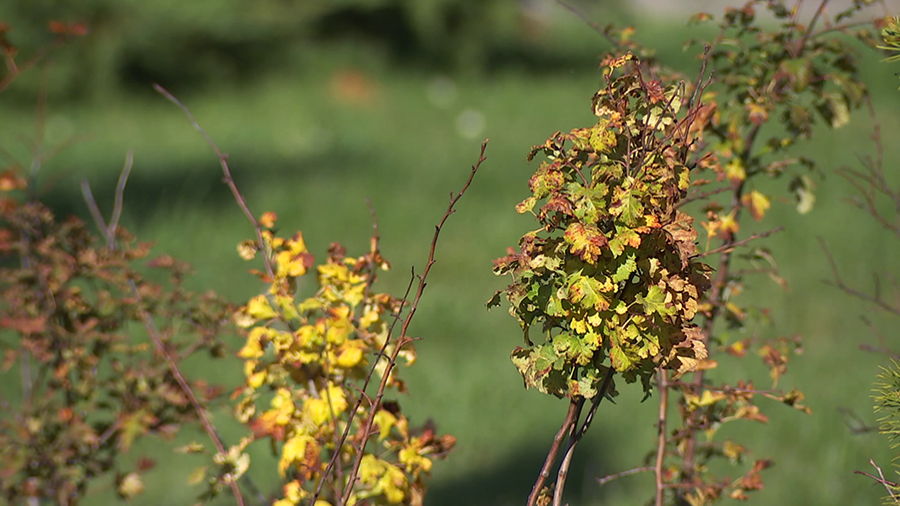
x=324 y=104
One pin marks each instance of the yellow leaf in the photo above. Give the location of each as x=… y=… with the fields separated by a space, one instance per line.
x=384 y=420
x=350 y=354
x=253 y=348
x=526 y=205
x=758 y=204
x=197 y=475
x=267 y=220
x=259 y=308
x=734 y=170
x=294 y=449
x=247 y=249
x=130 y=485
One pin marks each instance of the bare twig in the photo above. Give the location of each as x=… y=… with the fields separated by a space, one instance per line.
x=227 y=178
x=119 y=199
x=610 y=477
x=812 y=24
x=593 y=24
x=150 y=325
x=403 y=339
x=381 y=353
x=731 y=246
x=839 y=282
x=890 y=486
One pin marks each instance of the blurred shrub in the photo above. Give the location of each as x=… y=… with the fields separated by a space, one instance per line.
x=186 y=45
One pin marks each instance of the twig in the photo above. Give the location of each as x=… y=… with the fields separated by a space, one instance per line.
x=119 y=199
x=809 y=29
x=839 y=282
x=404 y=339
x=610 y=477
x=731 y=246
x=692 y=197
x=888 y=485
x=593 y=24
x=152 y=331
x=336 y=456
x=226 y=171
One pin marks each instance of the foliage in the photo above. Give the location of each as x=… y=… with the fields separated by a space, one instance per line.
x=611 y=272
x=614 y=272
x=313 y=355
x=185 y=45
x=89 y=389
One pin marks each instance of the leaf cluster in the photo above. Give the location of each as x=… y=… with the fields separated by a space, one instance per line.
x=90 y=387
x=307 y=363
x=610 y=277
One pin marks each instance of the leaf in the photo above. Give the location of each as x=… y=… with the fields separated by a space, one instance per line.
x=654 y=302
x=624 y=270
x=526 y=205
x=130 y=486
x=620 y=360
x=588 y=292
x=586 y=241
x=602 y=139
x=803 y=189
x=258 y=307
x=758 y=204
x=627 y=206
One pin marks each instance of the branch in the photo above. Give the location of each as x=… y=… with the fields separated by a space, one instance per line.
x=731 y=246
x=839 y=282
x=888 y=485
x=149 y=324
x=593 y=24
x=610 y=477
x=404 y=339
x=226 y=171
x=568 y=423
x=576 y=436
x=661 y=437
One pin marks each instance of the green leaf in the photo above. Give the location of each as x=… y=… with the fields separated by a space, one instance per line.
x=803 y=189
x=654 y=302
x=624 y=270
x=588 y=292
x=627 y=206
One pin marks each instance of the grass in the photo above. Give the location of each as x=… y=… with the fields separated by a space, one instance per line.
x=298 y=149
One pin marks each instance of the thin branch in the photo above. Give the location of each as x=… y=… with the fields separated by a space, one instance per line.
x=839 y=282
x=610 y=477
x=119 y=199
x=153 y=333
x=404 y=339
x=381 y=353
x=890 y=486
x=809 y=29
x=567 y=425
x=731 y=246
x=661 y=437
x=593 y=24
x=576 y=436
x=226 y=171
x=563 y=471
x=692 y=197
